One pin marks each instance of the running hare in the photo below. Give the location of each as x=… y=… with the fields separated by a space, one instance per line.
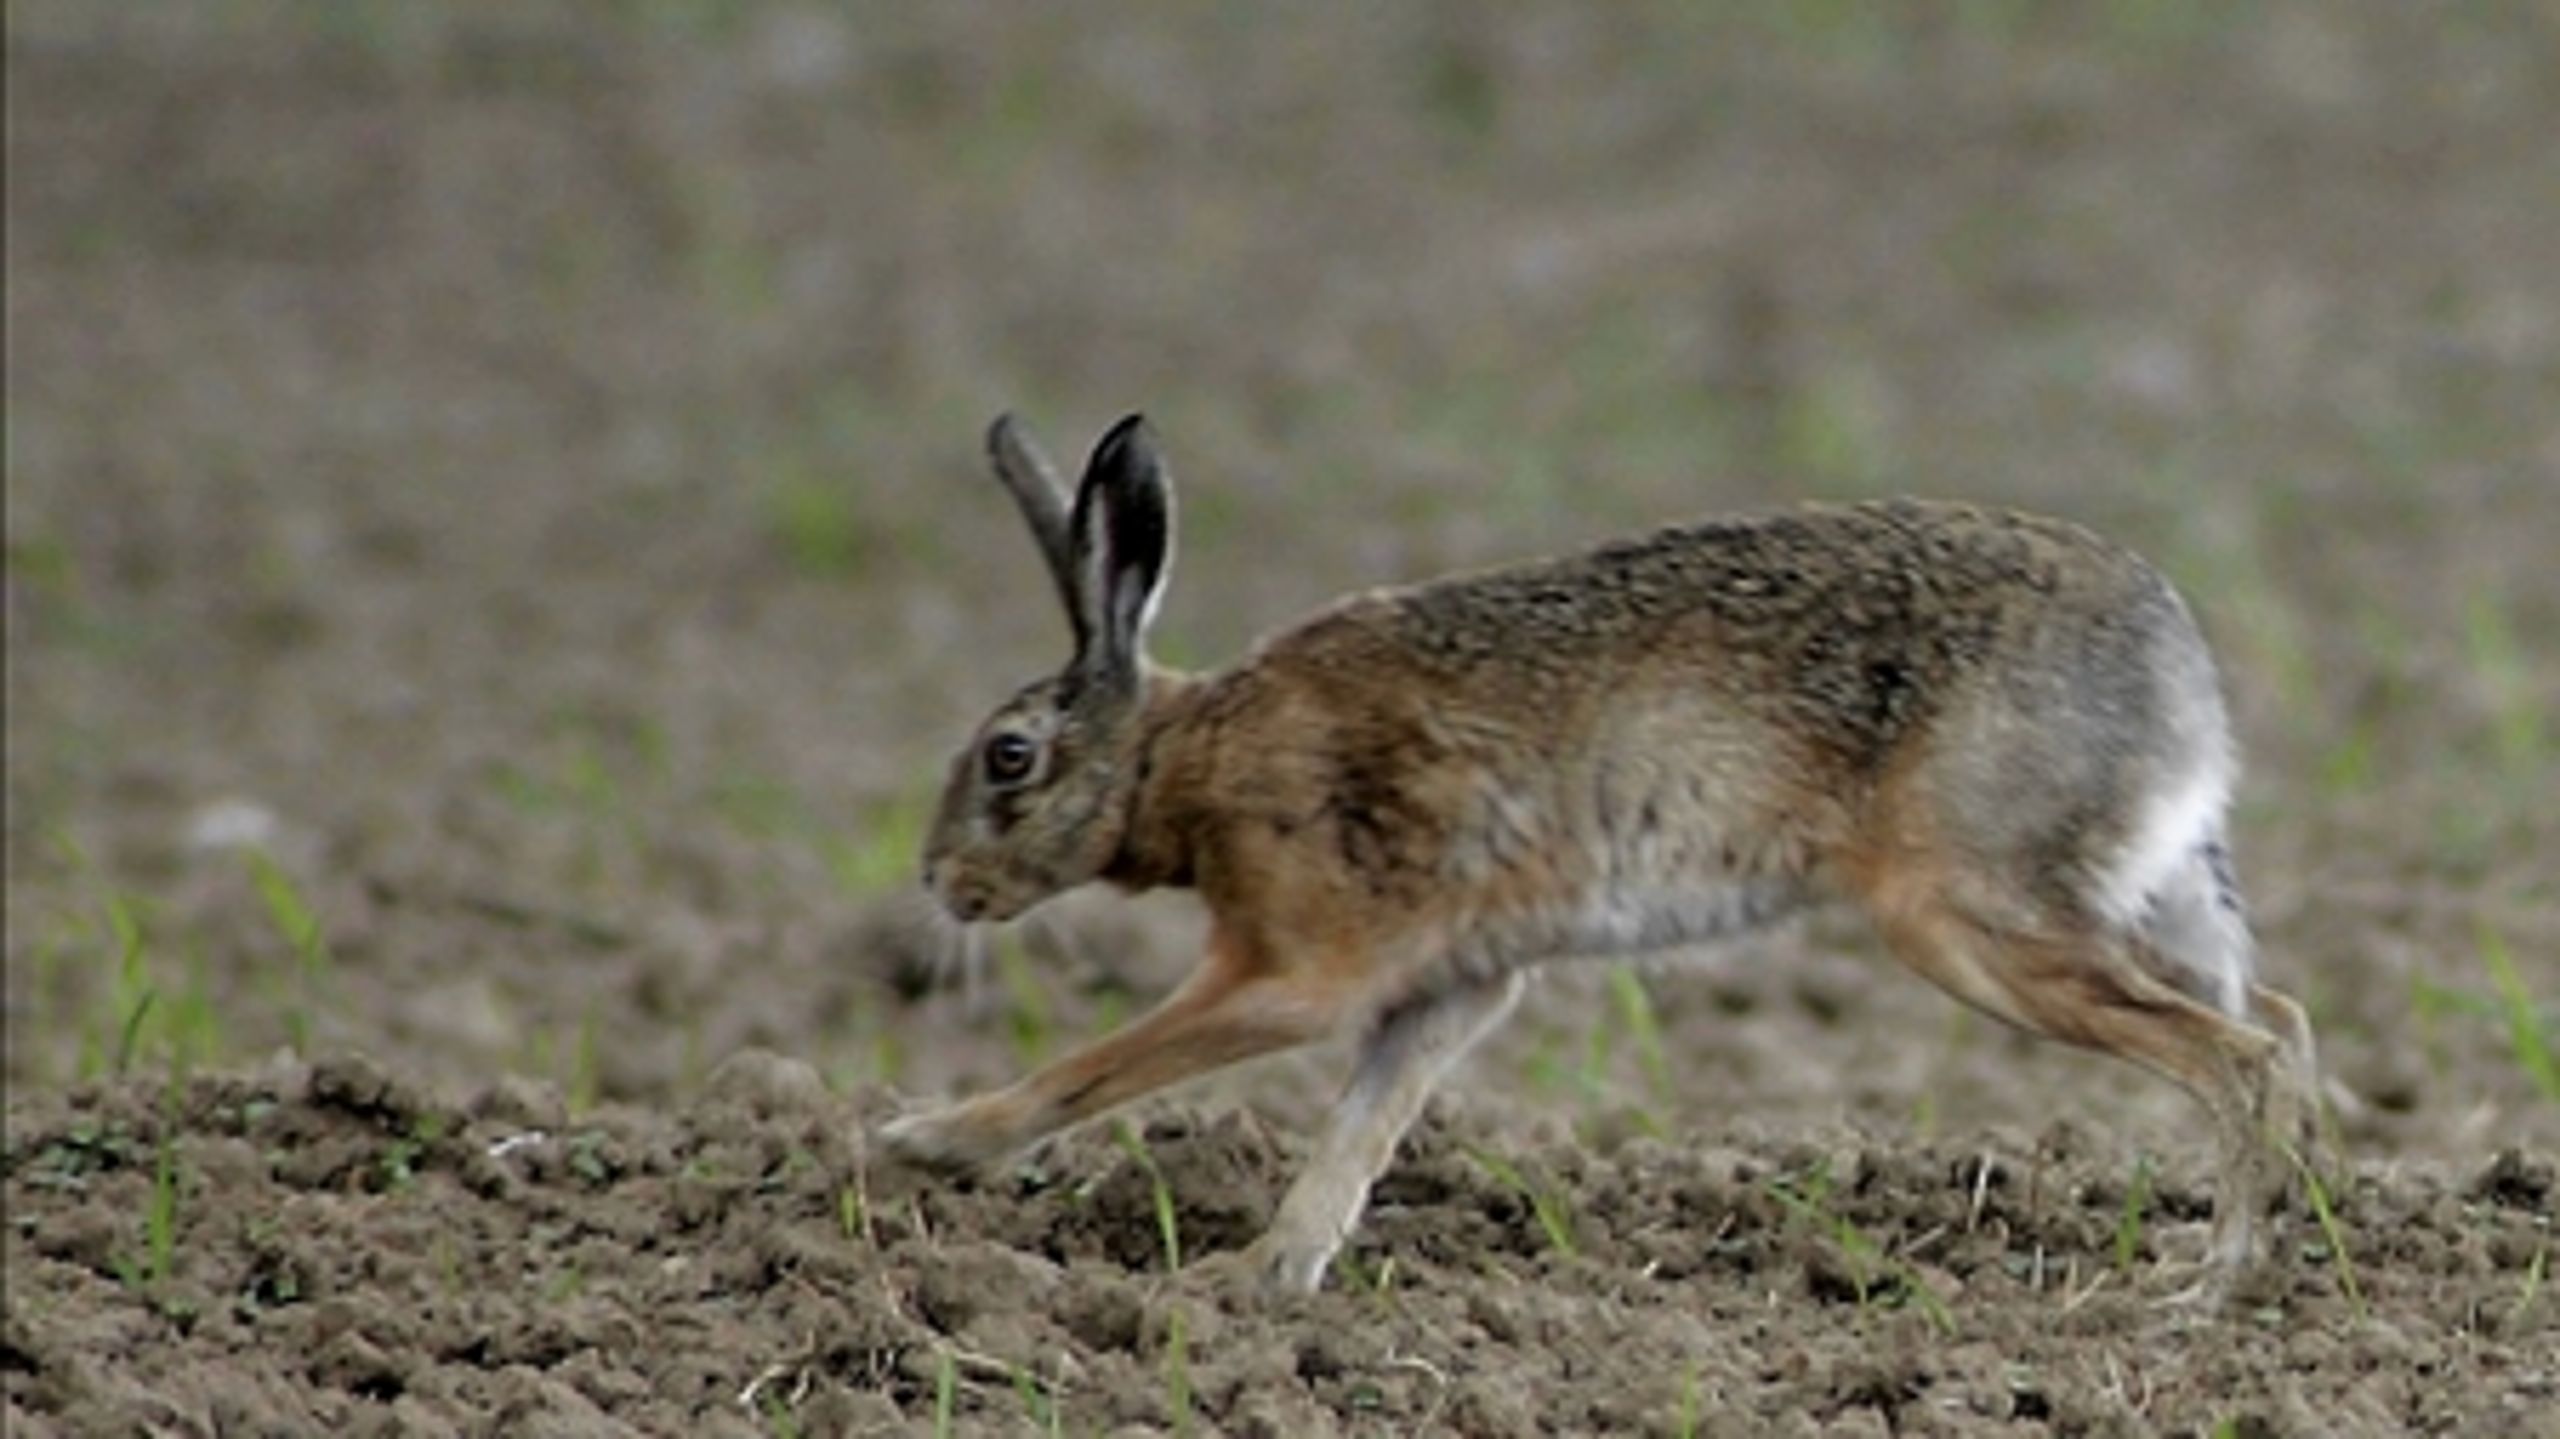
x=1999 y=736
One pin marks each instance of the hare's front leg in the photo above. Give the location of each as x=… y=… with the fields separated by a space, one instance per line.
x=1405 y=1056
x=1225 y=1012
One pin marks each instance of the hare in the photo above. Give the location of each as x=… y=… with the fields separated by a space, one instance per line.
x=1999 y=736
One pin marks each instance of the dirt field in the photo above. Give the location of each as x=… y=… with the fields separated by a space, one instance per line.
x=497 y=554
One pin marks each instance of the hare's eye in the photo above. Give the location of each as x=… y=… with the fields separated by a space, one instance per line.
x=1009 y=757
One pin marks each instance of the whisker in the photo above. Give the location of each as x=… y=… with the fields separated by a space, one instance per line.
x=1059 y=937
x=972 y=959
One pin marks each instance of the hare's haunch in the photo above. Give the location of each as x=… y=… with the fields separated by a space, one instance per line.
x=1999 y=736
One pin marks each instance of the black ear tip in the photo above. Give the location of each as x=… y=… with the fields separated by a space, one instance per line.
x=1130 y=442
x=1005 y=430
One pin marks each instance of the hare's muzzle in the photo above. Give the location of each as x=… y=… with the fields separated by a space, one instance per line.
x=937 y=882
x=968 y=903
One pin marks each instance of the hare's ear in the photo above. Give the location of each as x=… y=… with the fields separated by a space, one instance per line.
x=1033 y=482
x=1121 y=538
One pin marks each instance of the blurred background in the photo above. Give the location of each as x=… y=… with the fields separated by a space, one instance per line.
x=497 y=549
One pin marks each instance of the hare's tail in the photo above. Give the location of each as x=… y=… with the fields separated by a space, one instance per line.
x=2195 y=935
x=2195 y=930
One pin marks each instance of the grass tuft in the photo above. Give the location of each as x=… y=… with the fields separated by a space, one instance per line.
x=1168 y=1228
x=299 y=924
x=1554 y=1219
x=1809 y=1202
x=2332 y=1232
x=2129 y=1218
x=2525 y=1031
x=139 y=1012
x=293 y=916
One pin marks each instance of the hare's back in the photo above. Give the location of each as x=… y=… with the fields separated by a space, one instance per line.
x=1811 y=682
x=1852 y=618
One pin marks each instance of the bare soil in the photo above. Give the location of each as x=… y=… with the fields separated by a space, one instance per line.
x=497 y=555
x=352 y=1255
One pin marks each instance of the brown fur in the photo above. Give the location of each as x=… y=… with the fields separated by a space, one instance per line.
x=1998 y=735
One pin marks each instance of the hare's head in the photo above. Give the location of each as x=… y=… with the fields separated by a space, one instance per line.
x=1038 y=800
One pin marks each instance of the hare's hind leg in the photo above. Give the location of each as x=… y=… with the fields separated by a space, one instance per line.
x=1412 y=1048
x=2315 y=1142
x=2085 y=983
x=2194 y=934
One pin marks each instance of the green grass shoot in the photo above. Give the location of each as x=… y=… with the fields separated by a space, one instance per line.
x=946 y=1392
x=1810 y=1204
x=132 y=993
x=1177 y=1370
x=1546 y=1069
x=300 y=925
x=2525 y=1031
x=1635 y=1011
x=191 y=1022
x=1807 y=1204
x=293 y=917
x=1039 y=1402
x=2129 y=1218
x=568 y=1284
x=2534 y=1274
x=778 y=1417
x=853 y=1215
x=2332 y=1232
x=448 y=1264
x=129 y=1034
x=1381 y=1281
x=398 y=1166
x=160 y=1226
x=1554 y=1220
x=1168 y=1228
x=145 y=1271
x=1684 y=1421
x=137 y=1012
x=1591 y=1075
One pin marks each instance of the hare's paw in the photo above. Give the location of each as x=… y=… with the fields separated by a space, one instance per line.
x=950 y=1141
x=1255 y=1276
x=1280 y=1264
x=2225 y=1277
